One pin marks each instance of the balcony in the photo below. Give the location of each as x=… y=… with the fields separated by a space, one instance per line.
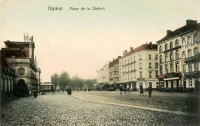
x=173 y=74
x=193 y=74
x=172 y=49
x=192 y=59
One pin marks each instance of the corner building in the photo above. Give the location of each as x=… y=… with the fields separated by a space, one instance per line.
x=139 y=66
x=179 y=58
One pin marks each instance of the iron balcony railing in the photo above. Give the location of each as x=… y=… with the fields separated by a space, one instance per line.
x=192 y=59
x=193 y=74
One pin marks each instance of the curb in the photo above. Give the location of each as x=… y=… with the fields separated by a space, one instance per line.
x=139 y=107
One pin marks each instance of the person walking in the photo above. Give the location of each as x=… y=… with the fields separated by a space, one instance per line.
x=141 y=90
x=150 y=90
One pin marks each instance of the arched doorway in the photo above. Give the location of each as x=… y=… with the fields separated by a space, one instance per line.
x=21 y=88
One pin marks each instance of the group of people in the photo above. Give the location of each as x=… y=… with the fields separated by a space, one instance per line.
x=149 y=90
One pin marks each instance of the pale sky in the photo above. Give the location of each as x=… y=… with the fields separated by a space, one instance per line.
x=83 y=41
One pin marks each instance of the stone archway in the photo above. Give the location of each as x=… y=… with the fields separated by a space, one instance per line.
x=21 y=88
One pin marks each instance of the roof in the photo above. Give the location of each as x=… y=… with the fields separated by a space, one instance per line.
x=114 y=62
x=144 y=47
x=185 y=29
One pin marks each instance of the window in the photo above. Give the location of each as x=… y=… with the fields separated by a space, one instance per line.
x=189 y=53
x=189 y=40
x=196 y=67
x=172 y=67
x=166 y=57
x=177 y=67
x=140 y=65
x=160 y=58
x=156 y=65
x=166 y=68
x=156 y=73
x=177 y=54
x=140 y=57
x=140 y=74
x=150 y=83
x=190 y=68
x=195 y=51
x=161 y=69
x=166 y=47
x=195 y=38
x=171 y=56
x=176 y=43
x=171 y=45
x=183 y=42
x=150 y=74
x=183 y=54
x=160 y=49
x=149 y=56
x=190 y=82
x=184 y=68
x=149 y=65
x=156 y=57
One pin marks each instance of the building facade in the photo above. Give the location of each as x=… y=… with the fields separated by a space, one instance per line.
x=139 y=66
x=179 y=58
x=114 y=71
x=103 y=75
x=20 y=57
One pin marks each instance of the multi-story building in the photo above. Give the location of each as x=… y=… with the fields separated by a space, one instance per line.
x=103 y=75
x=114 y=71
x=20 y=57
x=179 y=57
x=139 y=66
x=7 y=79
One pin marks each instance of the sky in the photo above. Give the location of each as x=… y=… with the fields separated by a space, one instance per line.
x=83 y=41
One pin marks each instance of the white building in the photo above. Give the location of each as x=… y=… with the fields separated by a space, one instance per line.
x=139 y=66
x=179 y=58
x=103 y=75
x=114 y=71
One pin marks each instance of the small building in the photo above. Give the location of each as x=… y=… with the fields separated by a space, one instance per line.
x=47 y=87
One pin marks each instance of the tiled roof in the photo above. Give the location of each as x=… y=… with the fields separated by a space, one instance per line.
x=147 y=46
x=185 y=29
x=114 y=62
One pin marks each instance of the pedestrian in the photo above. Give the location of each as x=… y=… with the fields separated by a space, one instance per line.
x=120 y=88
x=141 y=90
x=150 y=90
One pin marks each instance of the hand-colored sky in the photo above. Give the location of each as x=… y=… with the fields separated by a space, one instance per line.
x=81 y=42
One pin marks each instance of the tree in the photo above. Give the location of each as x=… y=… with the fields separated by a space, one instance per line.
x=55 y=80
x=64 y=80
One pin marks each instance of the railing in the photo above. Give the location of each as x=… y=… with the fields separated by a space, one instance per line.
x=193 y=74
x=172 y=49
x=192 y=59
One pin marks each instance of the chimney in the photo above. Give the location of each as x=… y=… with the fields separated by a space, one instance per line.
x=131 y=49
x=125 y=52
x=191 y=22
x=119 y=57
x=169 y=32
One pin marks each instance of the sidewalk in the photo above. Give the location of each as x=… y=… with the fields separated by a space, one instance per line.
x=179 y=102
